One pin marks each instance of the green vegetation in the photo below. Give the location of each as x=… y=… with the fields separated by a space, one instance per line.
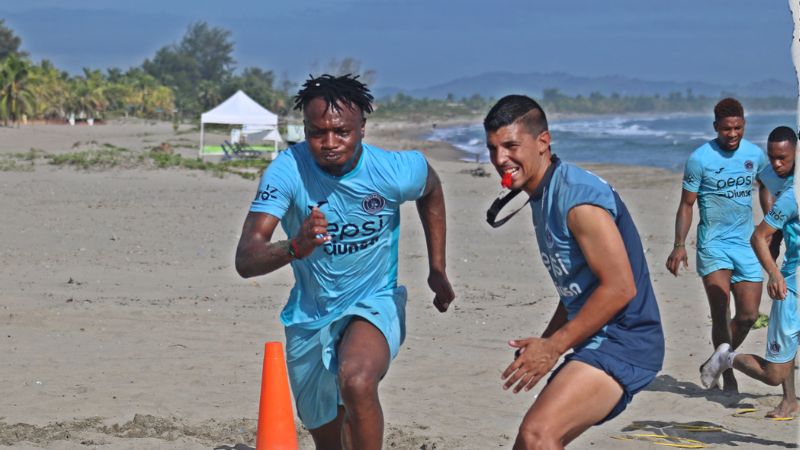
x=11 y=165
x=761 y=322
x=407 y=107
x=108 y=156
x=177 y=84
x=553 y=101
x=597 y=103
x=246 y=168
x=184 y=79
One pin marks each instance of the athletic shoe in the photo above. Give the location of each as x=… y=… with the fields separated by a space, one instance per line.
x=714 y=366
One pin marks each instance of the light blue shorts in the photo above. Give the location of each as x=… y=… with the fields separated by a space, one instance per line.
x=739 y=259
x=783 y=333
x=311 y=353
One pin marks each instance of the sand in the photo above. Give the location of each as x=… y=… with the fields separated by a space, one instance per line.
x=124 y=324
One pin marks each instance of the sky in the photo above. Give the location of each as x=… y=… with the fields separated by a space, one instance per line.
x=420 y=43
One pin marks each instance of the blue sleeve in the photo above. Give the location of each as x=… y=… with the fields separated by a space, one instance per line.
x=763 y=160
x=597 y=194
x=410 y=171
x=277 y=187
x=693 y=173
x=784 y=210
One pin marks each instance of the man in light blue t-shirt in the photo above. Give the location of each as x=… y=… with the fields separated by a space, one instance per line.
x=719 y=176
x=338 y=200
x=784 y=324
x=607 y=322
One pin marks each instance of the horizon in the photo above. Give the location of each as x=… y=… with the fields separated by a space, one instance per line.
x=714 y=42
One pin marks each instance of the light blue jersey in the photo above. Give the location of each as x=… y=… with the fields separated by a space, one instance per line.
x=774 y=184
x=783 y=216
x=783 y=334
x=634 y=335
x=723 y=181
x=363 y=212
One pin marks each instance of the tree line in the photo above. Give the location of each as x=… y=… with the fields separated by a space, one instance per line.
x=195 y=74
x=179 y=82
x=553 y=100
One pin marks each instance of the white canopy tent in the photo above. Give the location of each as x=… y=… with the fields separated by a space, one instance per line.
x=239 y=109
x=274 y=136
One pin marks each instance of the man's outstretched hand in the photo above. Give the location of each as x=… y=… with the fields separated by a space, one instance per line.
x=535 y=358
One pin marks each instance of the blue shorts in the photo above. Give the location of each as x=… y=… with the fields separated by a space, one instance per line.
x=783 y=332
x=311 y=353
x=632 y=379
x=739 y=259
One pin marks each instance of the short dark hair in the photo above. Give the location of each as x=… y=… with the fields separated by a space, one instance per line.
x=336 y=91
x=781 y=134
x=513 y=108
x=728 y=107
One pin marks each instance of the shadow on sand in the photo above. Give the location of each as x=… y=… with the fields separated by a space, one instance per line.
x=667 y=383
x=705 y=432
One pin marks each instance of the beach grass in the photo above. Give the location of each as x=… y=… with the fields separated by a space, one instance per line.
x=217 y=150
x=106 y=156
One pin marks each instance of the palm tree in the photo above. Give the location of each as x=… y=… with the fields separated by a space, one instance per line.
x=16 y=98
x=50 y=89
x=90 y=93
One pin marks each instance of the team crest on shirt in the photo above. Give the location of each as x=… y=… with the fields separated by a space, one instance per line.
x=373 y=203
x=548 y=238
x=748 y=164
x=774 y=347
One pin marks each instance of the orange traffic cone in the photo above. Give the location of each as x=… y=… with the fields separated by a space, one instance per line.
x=275 y=418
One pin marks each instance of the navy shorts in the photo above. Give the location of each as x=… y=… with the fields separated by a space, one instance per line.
x=632 y=379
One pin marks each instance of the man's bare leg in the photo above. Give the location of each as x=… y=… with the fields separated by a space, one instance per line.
x=747 y=298
x=788 y=406
x=717 y=285
x=329 y=436
x=577 y=398
x=762 y=370
x=363 y=360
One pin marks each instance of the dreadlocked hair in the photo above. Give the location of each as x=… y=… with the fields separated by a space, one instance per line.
x=336 y=91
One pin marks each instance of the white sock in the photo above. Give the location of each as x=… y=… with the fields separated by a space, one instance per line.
x=728 y=361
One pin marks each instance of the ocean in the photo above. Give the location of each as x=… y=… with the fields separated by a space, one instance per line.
x=663 y=141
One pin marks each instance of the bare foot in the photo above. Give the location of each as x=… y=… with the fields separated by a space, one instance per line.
x=786 y=408
x=729 y=384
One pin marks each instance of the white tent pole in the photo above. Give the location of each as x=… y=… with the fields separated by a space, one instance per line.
x=794 y=6
x=201 y=140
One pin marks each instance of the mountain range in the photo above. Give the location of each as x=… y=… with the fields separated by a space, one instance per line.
x=498 y=84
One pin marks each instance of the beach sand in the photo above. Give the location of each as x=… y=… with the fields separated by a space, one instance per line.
x=124 y=324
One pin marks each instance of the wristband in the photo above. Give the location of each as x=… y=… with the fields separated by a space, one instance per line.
x=293 y=249
x=678 y=245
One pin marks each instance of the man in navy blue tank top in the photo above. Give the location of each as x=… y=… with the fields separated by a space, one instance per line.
x=607 y=313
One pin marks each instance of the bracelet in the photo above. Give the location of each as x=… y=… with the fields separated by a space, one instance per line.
x=293 y=250
x=678 y=245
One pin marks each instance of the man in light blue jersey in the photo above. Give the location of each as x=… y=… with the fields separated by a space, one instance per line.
x=782 y=334
x=719 y=175
x=778 y=175
x=607 y=313
x=338 y=200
